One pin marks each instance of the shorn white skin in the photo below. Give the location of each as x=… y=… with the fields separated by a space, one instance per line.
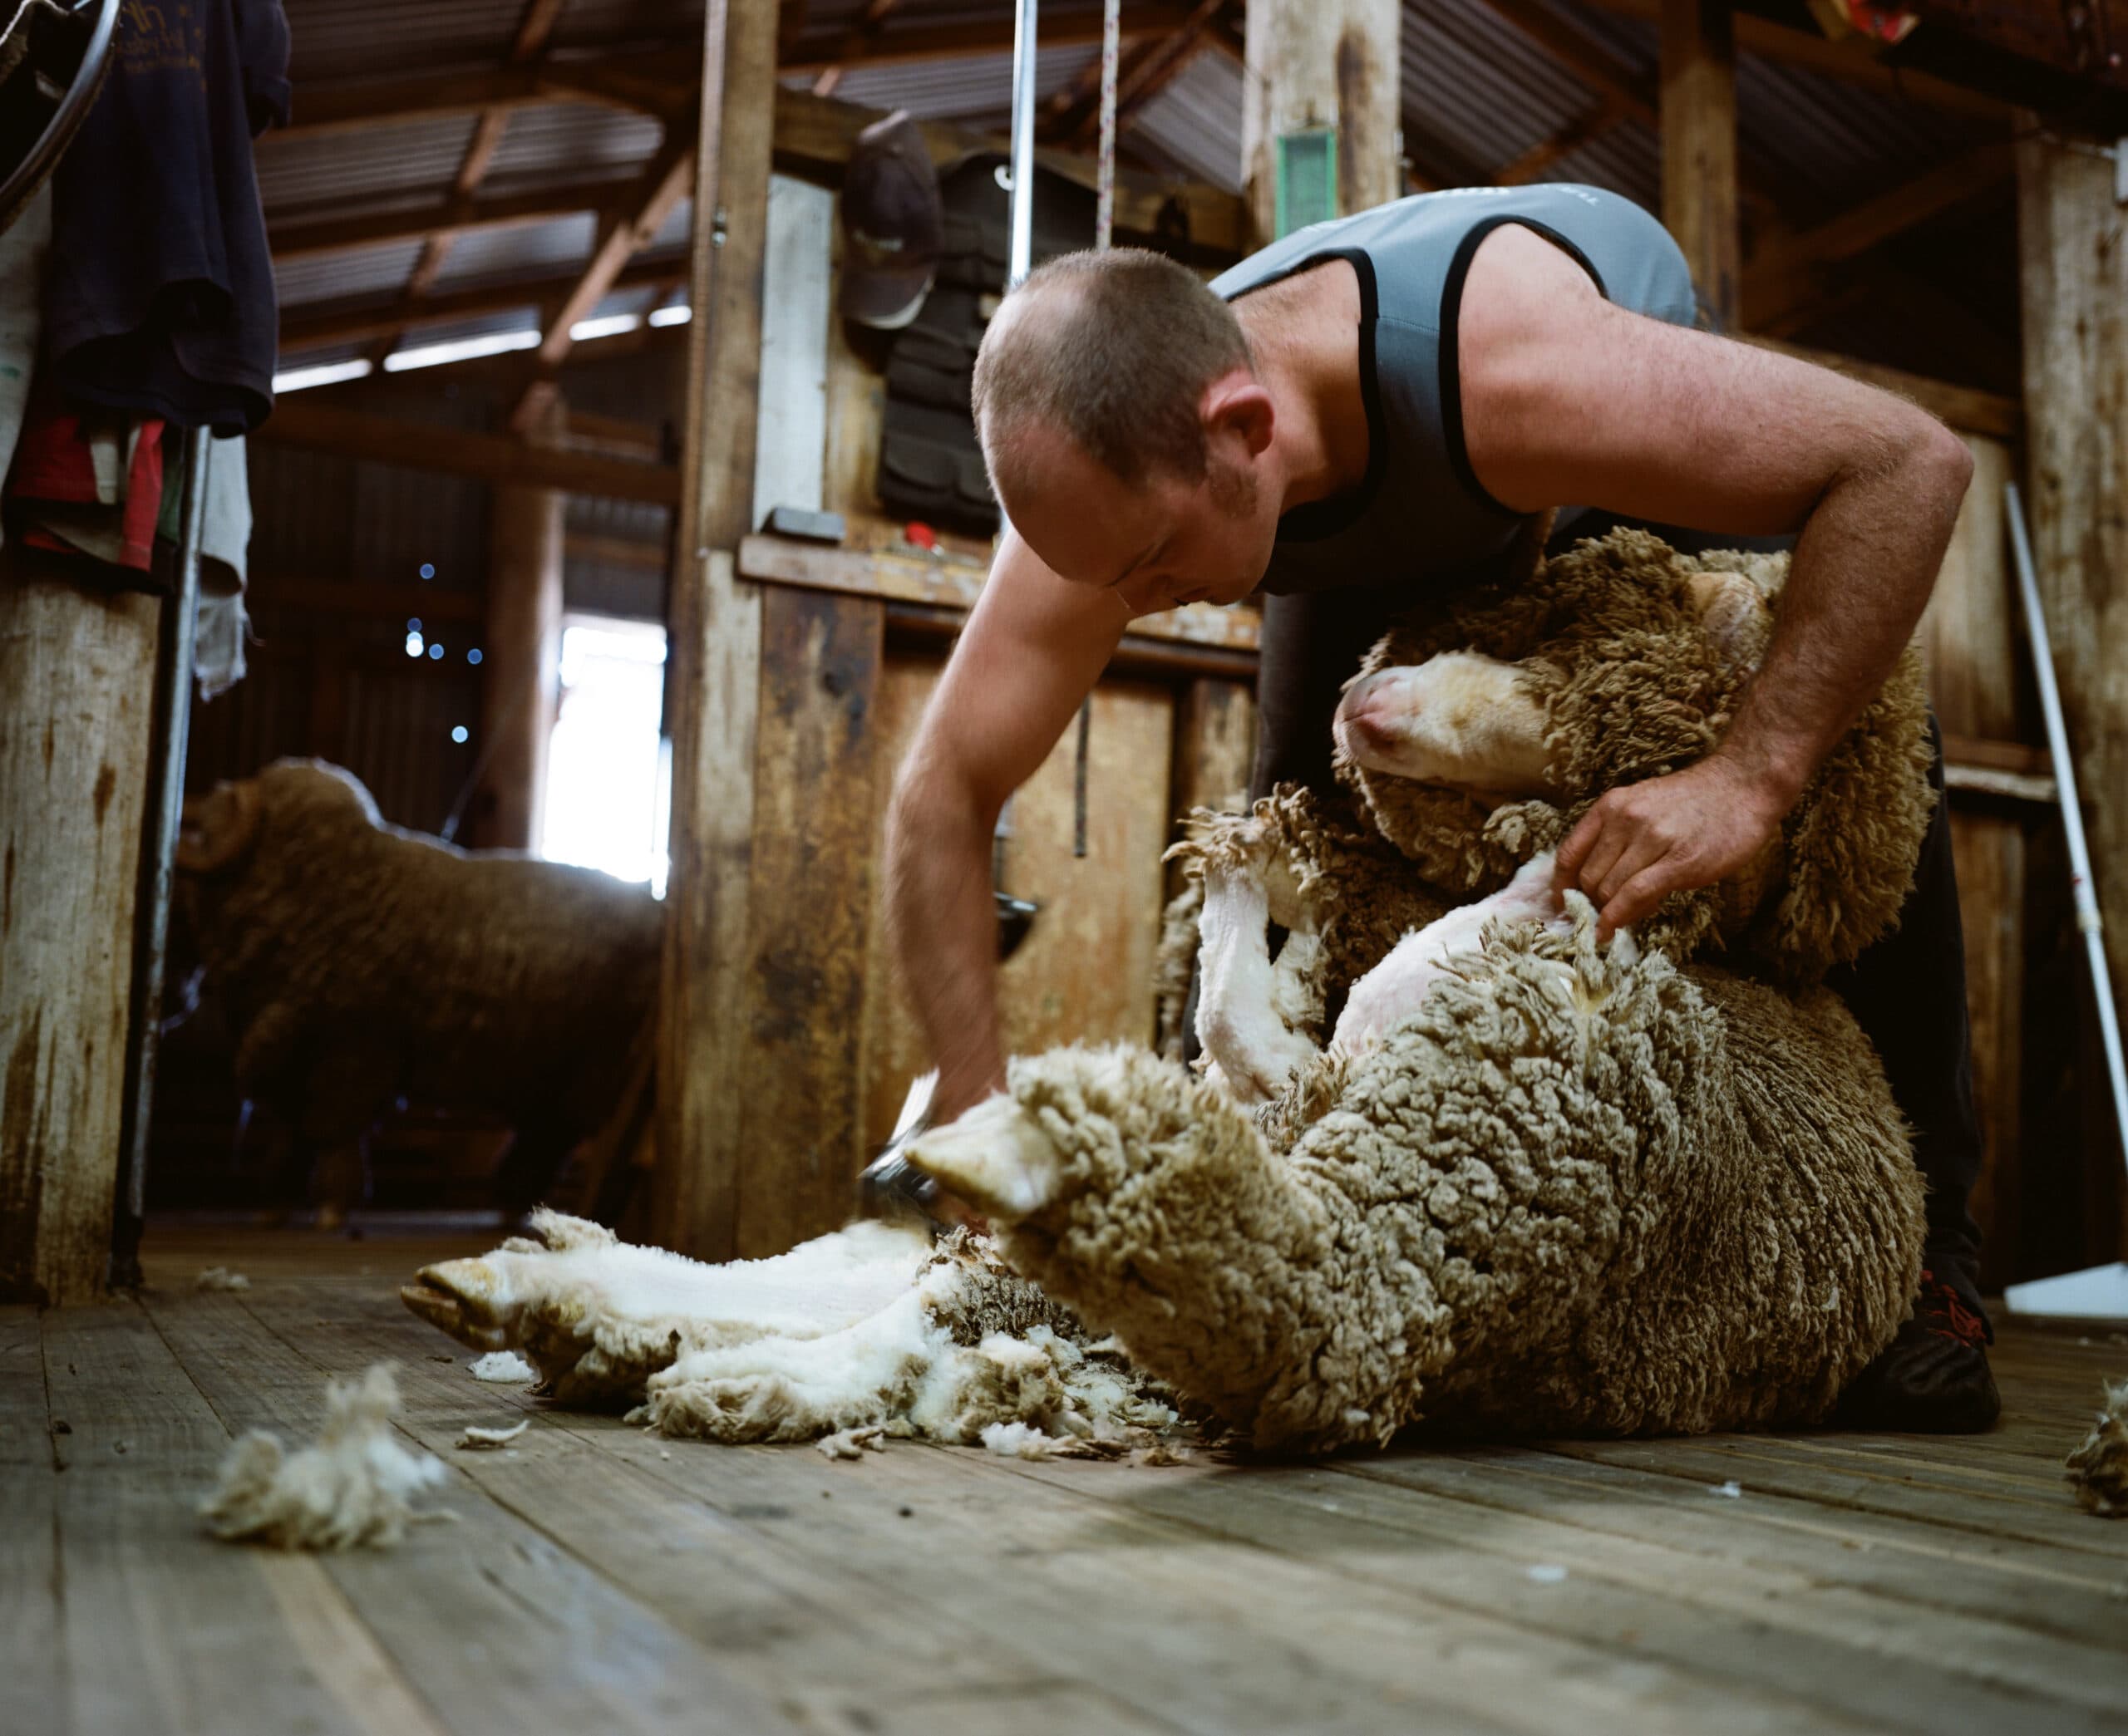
x=1396 y=988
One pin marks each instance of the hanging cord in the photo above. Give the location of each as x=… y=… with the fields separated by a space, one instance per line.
x=1104 y=238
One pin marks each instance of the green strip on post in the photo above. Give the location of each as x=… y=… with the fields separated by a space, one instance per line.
x=1308 y=180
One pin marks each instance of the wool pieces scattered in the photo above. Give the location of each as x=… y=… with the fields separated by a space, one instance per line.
x=477 y=1439
x=2098 y=1469
x=354 y=1487
x=505 y=1368
x=220 y=1277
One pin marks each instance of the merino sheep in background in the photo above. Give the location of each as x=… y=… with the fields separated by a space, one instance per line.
x=358 y=963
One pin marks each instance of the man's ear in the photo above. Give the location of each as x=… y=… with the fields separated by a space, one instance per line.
x=1236 y=403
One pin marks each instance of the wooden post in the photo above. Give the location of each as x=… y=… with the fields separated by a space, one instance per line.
x=78 y=681
x=520 y=667
x=1699 y=147
x=2072 y=235
x=715 y=648
x=1315 y=64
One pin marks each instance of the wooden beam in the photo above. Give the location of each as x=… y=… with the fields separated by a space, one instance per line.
x=639 y=216
x=1785 y=272
x=957 y=584
x=520 y=673
x=822 y=49
x=1324 y=63
x=814 y=136
x=2073 y=244
x=705 y=1035
x=314 y=326
x=77 y=679
x=1590 y=124
x=536 y=24
x=1699 y=149
x=491 y=458
x=1963 y=407
x=332 y=109
x=1851 y=62
x=870 y=22
x=1155 y=63
x=306 y=236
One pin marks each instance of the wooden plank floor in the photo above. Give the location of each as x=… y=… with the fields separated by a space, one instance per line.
x=598 y=1578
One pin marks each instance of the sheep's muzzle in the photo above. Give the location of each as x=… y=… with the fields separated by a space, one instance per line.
x=464 y=1298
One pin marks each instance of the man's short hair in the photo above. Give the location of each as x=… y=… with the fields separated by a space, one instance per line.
x=1117 y=357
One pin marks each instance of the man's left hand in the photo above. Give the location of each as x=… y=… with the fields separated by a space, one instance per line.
x=1643 y=841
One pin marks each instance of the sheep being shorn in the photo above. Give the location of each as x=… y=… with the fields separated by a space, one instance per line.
x=1480 y=729
x=1576 y=1190
x=872 y=1327
x=358 y=963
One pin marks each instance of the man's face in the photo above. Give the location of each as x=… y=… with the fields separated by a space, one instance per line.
x=1169 y=542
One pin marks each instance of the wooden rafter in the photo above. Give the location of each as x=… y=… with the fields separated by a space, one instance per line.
x=818 y=49
x=533 y=29
x=653 y=79
x=308 y=328
x=638 y=218
x=302 y=237
x=1787 y=273
x=302 y=420
x=865 y=34
x=1590 y=124
x=1154 y=63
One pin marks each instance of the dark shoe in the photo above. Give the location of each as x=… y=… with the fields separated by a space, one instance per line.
x=1932 y=1377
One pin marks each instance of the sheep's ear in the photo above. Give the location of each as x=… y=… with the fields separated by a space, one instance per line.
x=219 y=830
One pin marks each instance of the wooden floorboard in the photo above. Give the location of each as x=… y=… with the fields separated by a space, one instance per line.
x=595 y=1577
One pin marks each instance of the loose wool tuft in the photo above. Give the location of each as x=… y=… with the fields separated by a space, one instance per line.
x=872 y=1331
x=355 y=1486
x=2098 y=1469
x=1580 y=1192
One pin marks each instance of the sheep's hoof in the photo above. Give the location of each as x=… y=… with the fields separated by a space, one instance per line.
x=995 y=1157
x=462 y=1297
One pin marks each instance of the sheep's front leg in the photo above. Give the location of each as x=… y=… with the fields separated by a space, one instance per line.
x=1151 y=1206
x=1246 y=1007
x=1460 y=719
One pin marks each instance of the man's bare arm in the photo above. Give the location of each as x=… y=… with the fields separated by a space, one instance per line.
x=1033 y=648
x=1568 y=398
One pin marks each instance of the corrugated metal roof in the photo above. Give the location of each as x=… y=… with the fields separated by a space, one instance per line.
x=1194 y=125
x=1476 y=94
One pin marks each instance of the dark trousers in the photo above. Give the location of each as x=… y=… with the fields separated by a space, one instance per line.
x=1907 y=991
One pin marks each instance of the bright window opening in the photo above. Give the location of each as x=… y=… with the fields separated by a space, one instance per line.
x=609 y=781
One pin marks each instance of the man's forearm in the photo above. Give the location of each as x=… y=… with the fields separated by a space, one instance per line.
x=944 y=927
x=1861 y=578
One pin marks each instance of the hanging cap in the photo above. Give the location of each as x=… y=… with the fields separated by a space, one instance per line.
x=893 y=223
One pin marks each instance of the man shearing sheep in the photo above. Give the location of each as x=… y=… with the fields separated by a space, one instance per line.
x=1368 y=412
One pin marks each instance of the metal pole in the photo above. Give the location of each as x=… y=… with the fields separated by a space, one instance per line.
x=1024 y=101
x=1112 y=30
x=164 y=812
x=2082 y=887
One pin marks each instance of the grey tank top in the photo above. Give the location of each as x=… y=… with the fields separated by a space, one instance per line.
x=1420 y=514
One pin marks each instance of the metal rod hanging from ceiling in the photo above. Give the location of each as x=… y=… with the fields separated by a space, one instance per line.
x=1024 y=101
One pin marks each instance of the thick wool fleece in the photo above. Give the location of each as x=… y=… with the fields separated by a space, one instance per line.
x=1635 y=686
x=1574 y=1195
x=872 y=1327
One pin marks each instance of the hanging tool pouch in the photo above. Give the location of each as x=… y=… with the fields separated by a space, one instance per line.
x=930 y=465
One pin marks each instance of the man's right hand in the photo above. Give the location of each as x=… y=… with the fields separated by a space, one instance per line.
x=1033 y=648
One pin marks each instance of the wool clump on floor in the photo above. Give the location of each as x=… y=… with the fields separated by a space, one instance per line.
x=2098 y=1469
x=505 y=1368
x=353 y=1488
